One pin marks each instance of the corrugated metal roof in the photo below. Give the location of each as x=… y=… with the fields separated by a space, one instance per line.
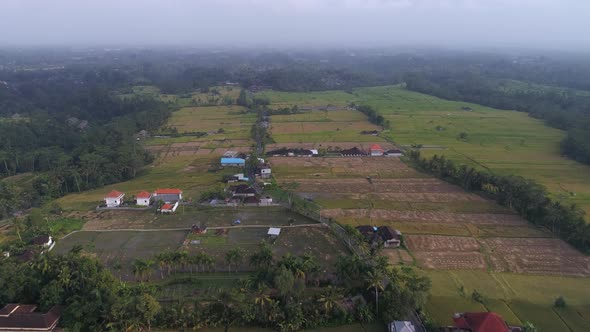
x=232 y=161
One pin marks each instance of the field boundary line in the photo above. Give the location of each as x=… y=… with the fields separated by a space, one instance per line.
x=187 y=228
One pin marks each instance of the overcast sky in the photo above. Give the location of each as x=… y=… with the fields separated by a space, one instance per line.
x=472 y=23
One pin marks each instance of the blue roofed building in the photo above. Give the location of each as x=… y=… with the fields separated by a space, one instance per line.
x=233 y=162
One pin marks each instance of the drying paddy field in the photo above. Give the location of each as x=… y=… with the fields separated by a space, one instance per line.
x=504 y=142
x=453 y=236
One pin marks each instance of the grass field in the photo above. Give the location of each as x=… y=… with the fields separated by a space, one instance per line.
x=187 y=172
x=518 y=298
x=233 y=119
x=505 y=142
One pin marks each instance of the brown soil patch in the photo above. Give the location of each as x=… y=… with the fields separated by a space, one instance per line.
x=440 y=243
x=428 y=197
x=536 y=255
x=451 y=260
x=427 y=217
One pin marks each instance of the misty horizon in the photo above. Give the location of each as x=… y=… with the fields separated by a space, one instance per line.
x=523 y=24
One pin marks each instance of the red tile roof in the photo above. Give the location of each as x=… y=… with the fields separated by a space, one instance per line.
x=376 y=147
x=481 y=322
x=168 y=191
x=143 y=194
x=21 y=317
x=167 y=207
x=114 y=194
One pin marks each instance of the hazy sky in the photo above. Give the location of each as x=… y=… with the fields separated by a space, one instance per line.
x=526 y=23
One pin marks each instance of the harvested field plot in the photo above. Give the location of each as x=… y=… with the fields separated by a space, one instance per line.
x=537 y=255
x=446 y=252
x=441 y=243
x=289 y=168
x=451 y=260
x=331 y=146
x=122 y=246
x=427 y=217
x=319 y=242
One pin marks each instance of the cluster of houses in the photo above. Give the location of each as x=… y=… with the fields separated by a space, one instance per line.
x=464 y=322
x=170 y=197
x=37 y=246
x=245 y=194
x=235 y=159
x=382 y=235
x=374 y=151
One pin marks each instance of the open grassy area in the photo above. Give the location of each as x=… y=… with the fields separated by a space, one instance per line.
x=505 y=142
x=190 y=173
x=280 y=99
x=517 y=297
x=232 y=120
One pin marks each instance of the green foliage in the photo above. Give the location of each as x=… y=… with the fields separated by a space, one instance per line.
x=374 y=116
x=560 y=302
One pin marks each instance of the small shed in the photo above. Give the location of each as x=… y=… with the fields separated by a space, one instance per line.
x=169 y=208
x=237 y=162
x=266 y=200
x=274 y=232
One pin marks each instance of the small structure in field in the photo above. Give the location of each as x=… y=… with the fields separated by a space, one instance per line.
x=265 y=201
x=353 y=152
x=392 y=238
x=401 y=326
x=389 y=237
x=376 y=150
x=480 y=322
x=197 y=229
x=24 y=318
x=394 y=153
x=274 y=232
x=114 y=198
x=242 y=190
x=168 y=195
x=44 y=241
x=233 y=162
x=143 y=198
x=169 y=207
x=231 y=154
x=264 y=171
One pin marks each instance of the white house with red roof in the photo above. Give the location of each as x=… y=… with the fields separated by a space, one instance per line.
x=114 y=198
x=376 y=150
x=168 y=195
x=144 y=198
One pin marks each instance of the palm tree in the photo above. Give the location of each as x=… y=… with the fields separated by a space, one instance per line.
x=162 y=261
x=233 y=256
x=329 y=299
x=138 y=268
x=374 y=279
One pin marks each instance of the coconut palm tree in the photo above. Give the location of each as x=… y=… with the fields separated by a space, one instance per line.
x=233 y=256
x=374 y=280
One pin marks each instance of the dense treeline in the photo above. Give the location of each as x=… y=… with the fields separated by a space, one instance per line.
x=286 y=294
x=528 y=198
x=565 y=110
x=373 y=116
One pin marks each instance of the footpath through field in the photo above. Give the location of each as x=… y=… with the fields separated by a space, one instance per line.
x=188 y=228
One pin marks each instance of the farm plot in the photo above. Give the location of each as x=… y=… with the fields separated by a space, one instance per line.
x=122 y=247
x=187 y=216
x=446 y=252
x=426 y=217
x=536 y=255
x=289 y=167
x=317 y=242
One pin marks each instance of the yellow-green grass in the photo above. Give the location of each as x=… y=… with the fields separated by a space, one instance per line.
x=189 y=173
x=516 y=87
x=573 y=318
x=307 y=99
x=500 y=307
x=321 y=116
x=505 y=142
x=529 y=297
x=322 y=132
